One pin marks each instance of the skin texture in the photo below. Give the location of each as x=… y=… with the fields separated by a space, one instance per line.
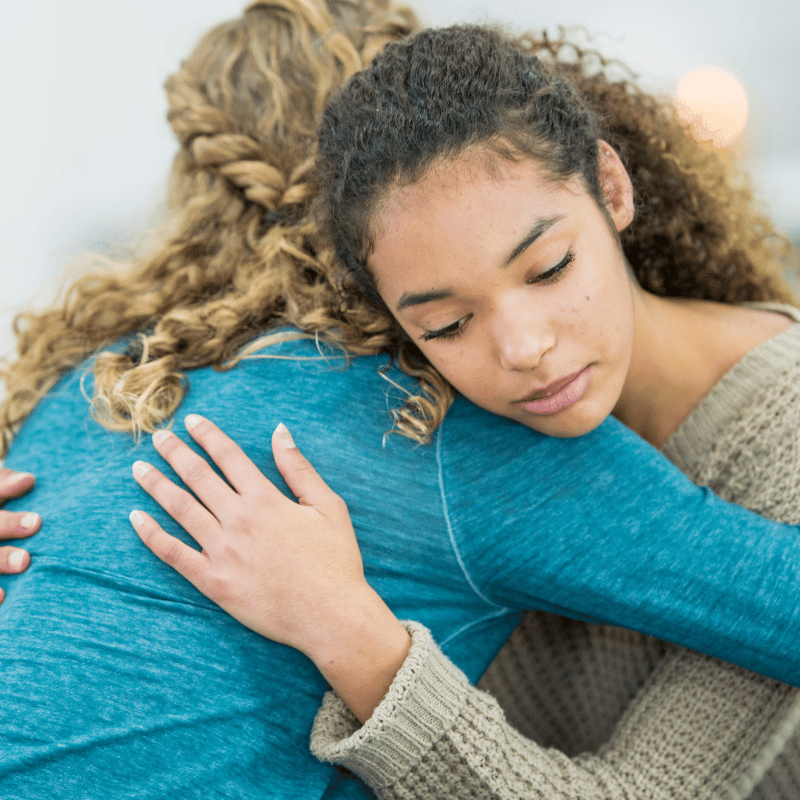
x=15 y=525
x=516 y=320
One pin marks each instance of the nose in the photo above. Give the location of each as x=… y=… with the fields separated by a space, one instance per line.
x=523 y=337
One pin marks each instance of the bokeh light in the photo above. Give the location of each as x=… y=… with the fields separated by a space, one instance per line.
x=713 y=102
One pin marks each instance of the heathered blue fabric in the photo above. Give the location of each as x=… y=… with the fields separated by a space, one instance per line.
x=119 y=680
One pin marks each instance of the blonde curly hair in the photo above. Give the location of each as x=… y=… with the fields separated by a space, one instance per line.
x=239 y=253
x=243 y=252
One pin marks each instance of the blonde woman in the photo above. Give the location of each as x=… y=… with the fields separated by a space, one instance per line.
x=120 y=677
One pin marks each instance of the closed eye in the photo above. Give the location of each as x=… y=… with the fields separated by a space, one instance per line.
x=454 y=330
x=450 y=332
x=554 y=273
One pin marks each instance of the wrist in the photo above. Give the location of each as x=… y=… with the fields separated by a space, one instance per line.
x=361 y=651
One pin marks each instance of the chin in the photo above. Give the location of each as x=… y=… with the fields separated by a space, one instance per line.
x=567 y=428
x=567 y=433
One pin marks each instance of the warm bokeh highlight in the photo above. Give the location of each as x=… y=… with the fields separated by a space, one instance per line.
x=714 y=103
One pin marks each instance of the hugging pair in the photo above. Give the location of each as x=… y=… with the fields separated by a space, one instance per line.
x=479 y=197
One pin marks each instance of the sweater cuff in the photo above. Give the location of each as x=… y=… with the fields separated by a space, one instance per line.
x=424 y=700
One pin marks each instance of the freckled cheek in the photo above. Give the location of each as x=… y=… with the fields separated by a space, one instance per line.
x=603 y=310
x=447 y=362
x=580 y=316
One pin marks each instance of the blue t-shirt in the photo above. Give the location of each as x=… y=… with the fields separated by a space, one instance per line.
x=120 y=680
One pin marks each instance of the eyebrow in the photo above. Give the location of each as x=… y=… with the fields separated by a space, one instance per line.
x=540 y=227
x=418 y=298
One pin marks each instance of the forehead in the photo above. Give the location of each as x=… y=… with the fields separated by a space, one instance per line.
x=462 y=217
x=476 y=190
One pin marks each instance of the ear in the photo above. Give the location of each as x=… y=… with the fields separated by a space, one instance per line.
x=616 y=186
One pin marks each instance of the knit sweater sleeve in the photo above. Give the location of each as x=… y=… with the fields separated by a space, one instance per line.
x=698 y=728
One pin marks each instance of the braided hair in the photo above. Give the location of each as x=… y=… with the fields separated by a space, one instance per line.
x=239 y=251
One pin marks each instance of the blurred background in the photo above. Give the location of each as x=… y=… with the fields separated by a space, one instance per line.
x=87 y=147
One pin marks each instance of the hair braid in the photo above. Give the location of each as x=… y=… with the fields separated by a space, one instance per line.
x=240 y=252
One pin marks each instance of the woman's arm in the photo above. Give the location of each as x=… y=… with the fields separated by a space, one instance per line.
x=698 y=729
x=16 y=525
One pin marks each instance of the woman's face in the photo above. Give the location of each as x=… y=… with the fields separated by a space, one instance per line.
x=513 y=286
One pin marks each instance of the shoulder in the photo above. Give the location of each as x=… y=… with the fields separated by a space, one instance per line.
x=755 y=323
x=734 y=331
x=743 y=439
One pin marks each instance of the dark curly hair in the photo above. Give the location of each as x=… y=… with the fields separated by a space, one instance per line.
x=242 y=253
x=697 y=231
x=430 y=97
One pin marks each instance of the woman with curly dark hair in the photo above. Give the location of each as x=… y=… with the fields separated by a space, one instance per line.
x=554 y=246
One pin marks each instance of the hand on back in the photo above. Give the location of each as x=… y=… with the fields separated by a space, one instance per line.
x=272 y=563
x=290 y=571
x=15 y=524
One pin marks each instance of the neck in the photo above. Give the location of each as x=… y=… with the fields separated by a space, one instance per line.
x=679 y=353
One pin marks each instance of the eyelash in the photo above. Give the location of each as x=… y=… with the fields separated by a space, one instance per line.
x=444 y=334
x=554 y=273
x=454 y=331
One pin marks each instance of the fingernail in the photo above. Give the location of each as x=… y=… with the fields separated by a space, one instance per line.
x=16 y=477
x=192 y=421
x=284 y=435
x=161 y=436
x=16 y=558
x=136 y=518
x=29 y=521
x=140 y=468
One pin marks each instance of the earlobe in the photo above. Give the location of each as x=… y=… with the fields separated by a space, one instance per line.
x=616 y=185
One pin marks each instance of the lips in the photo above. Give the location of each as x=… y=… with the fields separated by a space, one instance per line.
x=553 y=388
x=558 y=395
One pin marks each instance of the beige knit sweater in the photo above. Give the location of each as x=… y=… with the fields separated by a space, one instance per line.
x=600 y=713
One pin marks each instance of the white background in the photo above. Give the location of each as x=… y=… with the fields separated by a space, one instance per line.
x=86 y=148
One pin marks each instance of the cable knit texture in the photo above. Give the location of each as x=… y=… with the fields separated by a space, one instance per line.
x=599 y=713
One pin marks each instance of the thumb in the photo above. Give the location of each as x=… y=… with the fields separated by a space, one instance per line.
x=298 y=472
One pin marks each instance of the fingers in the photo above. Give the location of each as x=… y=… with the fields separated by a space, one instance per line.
x=13 y=560
x=240 y=471
x=13 y=484
x=16 y=525
x=193 y=470
x=192 y=516
x=298 y=472
x=173 y=552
